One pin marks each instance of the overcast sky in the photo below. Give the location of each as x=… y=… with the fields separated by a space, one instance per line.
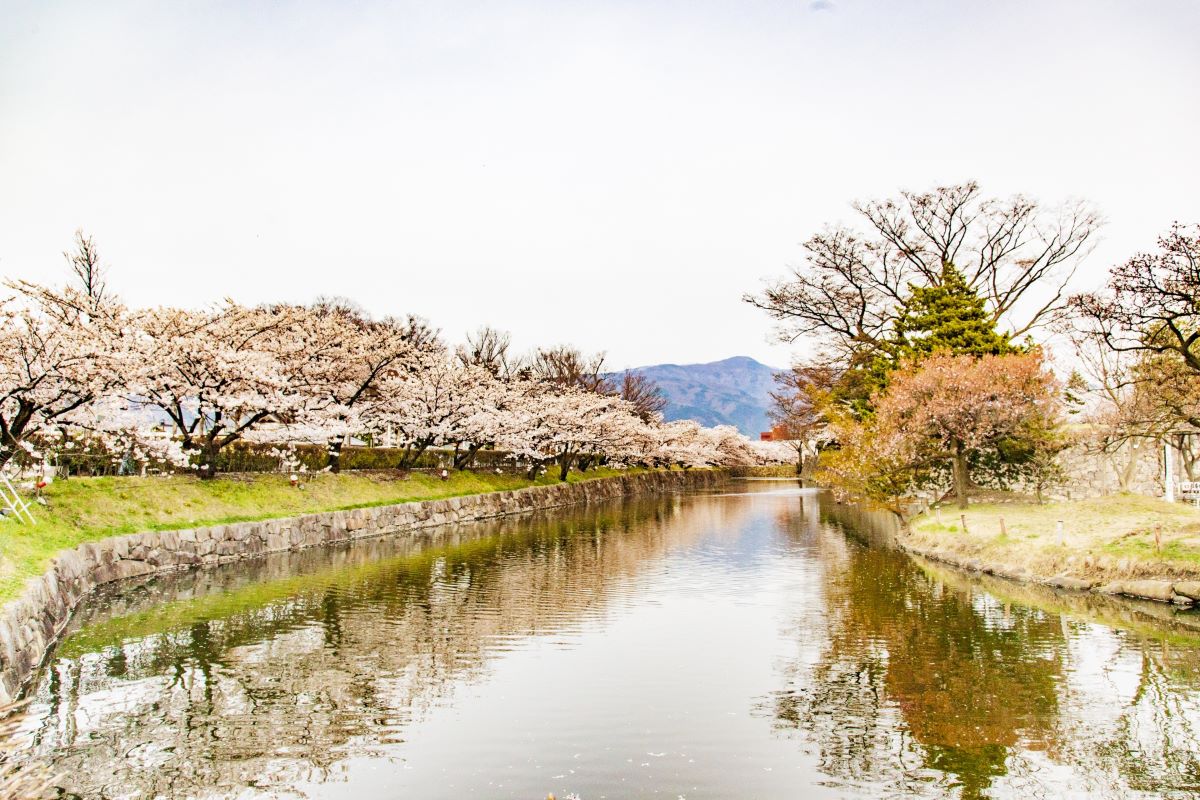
x=611 y=174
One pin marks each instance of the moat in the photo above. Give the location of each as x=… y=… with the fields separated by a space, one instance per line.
x=754 y=642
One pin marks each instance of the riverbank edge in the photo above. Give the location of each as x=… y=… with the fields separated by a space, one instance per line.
x=31 y=624
x=1111 y=578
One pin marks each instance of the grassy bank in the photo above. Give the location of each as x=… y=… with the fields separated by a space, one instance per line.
x=1103 y=538
x=87 y=509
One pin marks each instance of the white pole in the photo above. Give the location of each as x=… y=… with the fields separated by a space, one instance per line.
x=1168 y=470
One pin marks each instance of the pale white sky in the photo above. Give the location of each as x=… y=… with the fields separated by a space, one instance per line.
x=610 y=174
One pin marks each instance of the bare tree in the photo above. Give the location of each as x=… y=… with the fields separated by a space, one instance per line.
x=1126 y=407
x=420 y=334
x=647 y=398
x=566 y=366
x=487 y=348
x=1153 y=300
x=336 y=303
x=85 y=265
x=1018 y=256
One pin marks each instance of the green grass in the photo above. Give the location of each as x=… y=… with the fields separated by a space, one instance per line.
x=87 y=509
x=1113 y=528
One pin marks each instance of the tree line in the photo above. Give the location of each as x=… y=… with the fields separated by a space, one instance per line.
x=179 y=385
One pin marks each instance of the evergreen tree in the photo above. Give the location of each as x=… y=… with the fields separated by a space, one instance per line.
x=949 y=317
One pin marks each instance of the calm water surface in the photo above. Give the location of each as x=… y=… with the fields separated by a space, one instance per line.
x=756 y=643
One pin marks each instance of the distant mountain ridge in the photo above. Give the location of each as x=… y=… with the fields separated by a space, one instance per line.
x=735 y=391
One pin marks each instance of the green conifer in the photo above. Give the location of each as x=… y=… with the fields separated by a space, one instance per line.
x=949 y=317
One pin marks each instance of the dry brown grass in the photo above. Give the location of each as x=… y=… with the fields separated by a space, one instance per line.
x=1102 y=537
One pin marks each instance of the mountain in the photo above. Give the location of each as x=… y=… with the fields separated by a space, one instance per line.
x=735 y=391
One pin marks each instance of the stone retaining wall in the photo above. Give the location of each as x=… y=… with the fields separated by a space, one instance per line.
x=1111 y=578
x=30 y=625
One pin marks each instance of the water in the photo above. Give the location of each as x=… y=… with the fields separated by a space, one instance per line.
x=756 y=643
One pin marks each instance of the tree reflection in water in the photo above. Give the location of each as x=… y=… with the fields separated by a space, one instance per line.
x=271 y=673
x=929 y=685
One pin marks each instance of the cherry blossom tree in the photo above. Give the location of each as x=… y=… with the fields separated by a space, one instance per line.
x=129 y=432
x=59 y=351
x=563 y=424
x=433 y=404
x=497 y=414
x=727 y=446
x=772 y=452
x=217 y=373
x=679 y=442
x=343 y=359
x=177 y=386
x=953 y=412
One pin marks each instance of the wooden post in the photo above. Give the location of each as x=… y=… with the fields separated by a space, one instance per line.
x=1158 y=538
x=1062 y=540
x=963 y=519
x=1003 y=529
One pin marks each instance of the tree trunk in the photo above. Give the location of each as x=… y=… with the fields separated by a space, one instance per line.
x=208 y=459
x=961 y=475
x=464 y=458
x=564 y=468
x=13 y=431
x=335 y=456
x=412 y=455
x=1127 y=474
x=1187 y=450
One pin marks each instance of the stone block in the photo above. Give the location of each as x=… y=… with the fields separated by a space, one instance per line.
x=1189 y=589
x=1149 y=590
x=1068 y=582
x=228 y=547
x=89 y=553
